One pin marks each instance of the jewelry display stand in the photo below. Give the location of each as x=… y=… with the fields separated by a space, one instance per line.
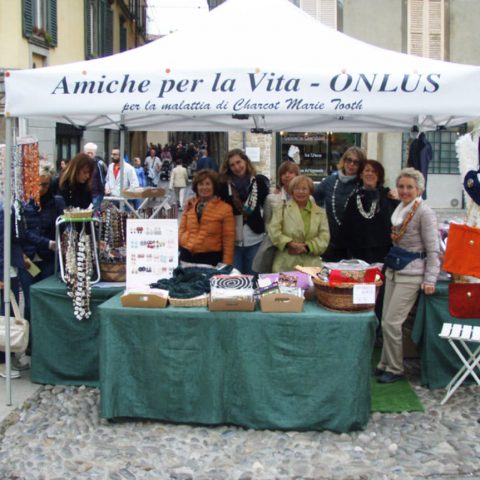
x=93 y=222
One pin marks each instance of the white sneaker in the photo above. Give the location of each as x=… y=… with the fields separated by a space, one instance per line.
x=13 y=373
x=20 y=362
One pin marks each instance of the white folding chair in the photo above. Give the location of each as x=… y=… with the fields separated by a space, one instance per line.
x=460 y=334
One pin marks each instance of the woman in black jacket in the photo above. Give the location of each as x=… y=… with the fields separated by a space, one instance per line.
x=246 y=192
x=75 y=182
x=366 y=225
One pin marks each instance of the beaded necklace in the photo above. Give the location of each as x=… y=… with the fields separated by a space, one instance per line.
x=399 y=230
x=334 y=210
x=373 y=208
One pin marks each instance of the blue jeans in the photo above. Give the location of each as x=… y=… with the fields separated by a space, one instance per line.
x=243 y=258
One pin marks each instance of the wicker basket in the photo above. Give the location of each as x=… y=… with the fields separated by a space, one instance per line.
x=113 y=272
x=340 y=297
x=200 y=301
x=77 y=214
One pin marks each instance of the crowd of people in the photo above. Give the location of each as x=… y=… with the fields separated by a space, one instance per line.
x=350 y=214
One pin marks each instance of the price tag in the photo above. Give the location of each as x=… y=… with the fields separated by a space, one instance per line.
x=364 y=293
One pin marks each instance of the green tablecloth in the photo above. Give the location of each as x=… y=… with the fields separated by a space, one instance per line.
x=64 y=350
x=304 y=371
x=439 y=363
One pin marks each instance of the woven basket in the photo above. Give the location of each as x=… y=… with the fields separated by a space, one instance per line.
x=80 y=214
x=340 y=297
x=200 y=301
x=113 y=272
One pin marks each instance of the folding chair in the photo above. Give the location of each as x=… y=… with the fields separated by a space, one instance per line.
x=458 y=334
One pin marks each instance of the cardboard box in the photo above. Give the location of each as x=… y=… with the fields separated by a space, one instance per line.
x=143 y=300
x=231 y=304
x=281 y=303
x=146 y=192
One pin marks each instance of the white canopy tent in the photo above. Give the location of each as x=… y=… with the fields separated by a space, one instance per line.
x=252 y=64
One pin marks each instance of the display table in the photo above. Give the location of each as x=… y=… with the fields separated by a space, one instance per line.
x=64 y=349
x=439 y=363
x=302 y=371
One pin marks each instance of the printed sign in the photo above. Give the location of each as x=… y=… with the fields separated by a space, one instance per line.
x=152 y=251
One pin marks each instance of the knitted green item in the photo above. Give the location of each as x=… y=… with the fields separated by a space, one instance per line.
x=190 y=282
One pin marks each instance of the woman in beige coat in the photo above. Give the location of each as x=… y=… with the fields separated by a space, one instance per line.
x=299 y=229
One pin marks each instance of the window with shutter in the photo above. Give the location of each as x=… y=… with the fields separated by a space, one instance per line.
x=40 y=22
x=426 y=28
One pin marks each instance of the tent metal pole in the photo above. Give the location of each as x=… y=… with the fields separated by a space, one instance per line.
x=122 y=158
x=7 y=230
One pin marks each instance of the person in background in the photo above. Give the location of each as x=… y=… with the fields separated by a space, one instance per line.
x=415 y=230
x=299 y=229
x=139 y=170
x=56 y=179
x=98 y=175
x=153 y=166
x=75 y=182
x=333 y=194
x=39 y=242
x=166 y=154
x=286 y=172
x=179 y=181
x=16 y=263
x=207 y=227
x=245 y=191
x=366 y=225
x=130 y=179
x=205 y=161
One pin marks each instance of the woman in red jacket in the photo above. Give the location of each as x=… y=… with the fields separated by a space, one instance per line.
x=207 y=228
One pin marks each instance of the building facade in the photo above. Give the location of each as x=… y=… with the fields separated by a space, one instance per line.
x=39 y=33
x=440 y=29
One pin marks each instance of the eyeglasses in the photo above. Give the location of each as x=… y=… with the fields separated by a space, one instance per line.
x=352 y=160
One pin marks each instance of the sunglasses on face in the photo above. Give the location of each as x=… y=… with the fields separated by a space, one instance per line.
x=354 y=161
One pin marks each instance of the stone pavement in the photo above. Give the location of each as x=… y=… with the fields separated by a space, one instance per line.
x=58 y=435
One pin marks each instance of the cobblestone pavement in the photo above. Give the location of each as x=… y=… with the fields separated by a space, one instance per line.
x=58 y=435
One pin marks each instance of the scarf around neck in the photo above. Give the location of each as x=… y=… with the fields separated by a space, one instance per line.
x=400 y=213
x=346 y=178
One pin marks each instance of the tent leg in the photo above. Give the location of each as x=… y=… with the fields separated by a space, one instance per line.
x=7 y=230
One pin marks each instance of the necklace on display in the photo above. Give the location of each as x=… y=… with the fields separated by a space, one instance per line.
x=373 y=208
x=334 y=210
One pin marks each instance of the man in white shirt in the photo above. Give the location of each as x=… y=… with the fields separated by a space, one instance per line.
x=153 y=166
x=130 y=179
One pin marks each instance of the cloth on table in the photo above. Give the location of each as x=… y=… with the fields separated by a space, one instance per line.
x=189 y=282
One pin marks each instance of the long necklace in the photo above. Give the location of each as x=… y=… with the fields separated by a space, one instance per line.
x=373 y=208
x=399 y=230
x=334 y=210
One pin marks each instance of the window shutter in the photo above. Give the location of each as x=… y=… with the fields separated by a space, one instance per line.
x=88 y=30
x=107 y=30
x=27 y=20
x=324 y=11
x=52 y=21
x=435 y=30
x=327 y=12
x=426 y=31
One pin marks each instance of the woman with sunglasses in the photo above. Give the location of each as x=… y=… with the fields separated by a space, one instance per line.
x=334 y=192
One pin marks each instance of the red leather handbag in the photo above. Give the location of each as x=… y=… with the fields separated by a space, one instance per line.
x=462 y=255
x=464 y=300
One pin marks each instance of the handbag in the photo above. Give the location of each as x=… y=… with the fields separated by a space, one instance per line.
x=263 y=260
x=398 y=258
x=462 y=255
x=19 y=329
x=464 y=300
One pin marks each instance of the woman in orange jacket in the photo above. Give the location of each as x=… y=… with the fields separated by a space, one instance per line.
x=207 y=228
